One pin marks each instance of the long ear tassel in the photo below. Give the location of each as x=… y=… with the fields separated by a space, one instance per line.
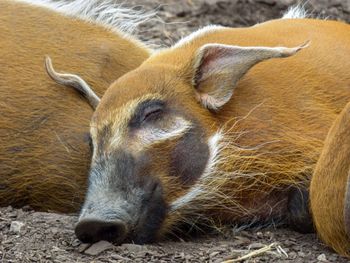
x=286 y=52
x=73 y=81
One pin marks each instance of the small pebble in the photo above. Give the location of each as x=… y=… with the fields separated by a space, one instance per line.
x=83 y=247
x=241 y=240
x=256 y=245
x=118 y=257
x=134 y=248
x=259 y=234
x=75 y=243
x=54 y=230
x=213 y=254
x=26 y=208
x=16 y=226
x=322 y=258
x=301 y=254
x=292 y=255
x=98 y=247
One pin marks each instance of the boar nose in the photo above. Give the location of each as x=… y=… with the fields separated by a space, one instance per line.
x=93 y=230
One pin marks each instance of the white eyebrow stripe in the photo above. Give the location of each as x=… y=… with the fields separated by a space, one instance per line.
x=153 y=134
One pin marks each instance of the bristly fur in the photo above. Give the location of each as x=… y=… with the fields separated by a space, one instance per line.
x=296 y=11
x=107 y=13
x=214 y=192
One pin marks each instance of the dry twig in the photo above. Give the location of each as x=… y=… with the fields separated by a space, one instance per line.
x=252 y=254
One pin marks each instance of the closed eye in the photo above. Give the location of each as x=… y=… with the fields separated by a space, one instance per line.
x=152 y=113
x=147 y=111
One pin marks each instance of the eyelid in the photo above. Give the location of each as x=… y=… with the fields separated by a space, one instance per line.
x=143 y=109
x=151 y=110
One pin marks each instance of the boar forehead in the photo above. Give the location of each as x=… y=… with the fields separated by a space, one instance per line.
x=162 y=81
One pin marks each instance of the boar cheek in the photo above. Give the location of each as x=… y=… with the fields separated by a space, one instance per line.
x=189 y=157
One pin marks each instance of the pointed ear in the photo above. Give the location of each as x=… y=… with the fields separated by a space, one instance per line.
x=73 y=81
x=217 y=69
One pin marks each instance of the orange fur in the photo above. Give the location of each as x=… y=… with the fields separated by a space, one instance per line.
x=273 y=127
x=329 y=185
x=44 y=128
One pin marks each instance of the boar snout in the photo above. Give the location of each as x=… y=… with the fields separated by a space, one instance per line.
x=123 y=204
x=136 y=221
x=93 y=230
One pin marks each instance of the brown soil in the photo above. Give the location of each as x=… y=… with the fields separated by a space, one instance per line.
x=49 y=237
x=28 y=236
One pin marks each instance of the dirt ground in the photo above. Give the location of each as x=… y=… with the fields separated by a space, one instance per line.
x=28 y=236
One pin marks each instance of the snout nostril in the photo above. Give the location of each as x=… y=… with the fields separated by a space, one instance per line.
x=93 y=230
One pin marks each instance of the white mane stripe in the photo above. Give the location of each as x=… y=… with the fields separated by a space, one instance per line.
x=295 y=12
x=200 y=32
x=105 y=13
